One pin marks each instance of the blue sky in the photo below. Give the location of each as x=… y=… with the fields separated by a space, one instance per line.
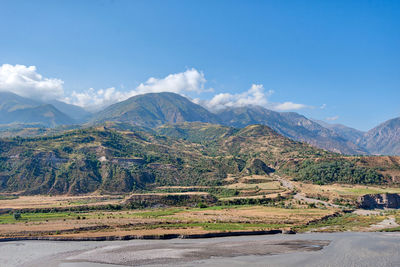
x=334 y=59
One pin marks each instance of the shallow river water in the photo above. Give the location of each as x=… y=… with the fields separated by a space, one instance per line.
x=315 y=249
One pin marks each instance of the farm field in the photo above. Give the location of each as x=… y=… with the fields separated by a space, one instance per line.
x=157 y=221
x=247 y=203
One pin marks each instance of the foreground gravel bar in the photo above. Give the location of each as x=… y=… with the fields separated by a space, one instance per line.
x=315 y=249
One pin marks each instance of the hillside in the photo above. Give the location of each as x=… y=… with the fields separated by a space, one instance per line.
x=383 y=139
x=155 y=109
x=83 y=161
x=104 y=160
x=197 y=132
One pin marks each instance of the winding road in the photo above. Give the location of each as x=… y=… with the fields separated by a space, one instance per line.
x=299 y=196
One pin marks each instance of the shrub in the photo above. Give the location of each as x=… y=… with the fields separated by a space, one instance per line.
x=202 y=205
x=17 y=216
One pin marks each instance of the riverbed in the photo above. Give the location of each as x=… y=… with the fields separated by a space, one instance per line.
x=313 y=249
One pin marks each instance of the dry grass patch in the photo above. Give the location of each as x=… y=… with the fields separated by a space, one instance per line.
x=40 y=201
x=160 y=221
x=265 y=186
x=343 y=191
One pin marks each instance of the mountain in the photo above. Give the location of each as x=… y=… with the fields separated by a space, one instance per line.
x=78 y=114
x=383 y=139
x=10 y=102
x=291 y=125
x=160 y=111
x=46 y=115
x=346 y=132
x=155 y=109
x=15 y=109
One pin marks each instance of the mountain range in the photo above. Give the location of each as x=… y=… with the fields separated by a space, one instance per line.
x=154 y=110
x=15 y=109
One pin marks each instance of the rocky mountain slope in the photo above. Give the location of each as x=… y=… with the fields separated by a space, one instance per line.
x=348 y=133
x=383 y=139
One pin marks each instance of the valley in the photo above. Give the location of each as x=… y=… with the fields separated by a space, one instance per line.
x=155 y=167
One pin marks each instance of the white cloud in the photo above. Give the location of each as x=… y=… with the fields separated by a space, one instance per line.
x=92 y=99
x=25 y=81
x=256 y=95
x=189 y=81
x=334 y=118
x=287 y=106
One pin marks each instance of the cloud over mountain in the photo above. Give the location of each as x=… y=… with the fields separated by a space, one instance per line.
x=190 y=80
x=26 y=81
x=285 y=106
x=255 y=96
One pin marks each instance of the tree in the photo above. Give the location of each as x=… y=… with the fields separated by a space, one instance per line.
x=17 y=216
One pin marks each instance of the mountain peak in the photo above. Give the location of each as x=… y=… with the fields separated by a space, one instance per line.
x=155 y=109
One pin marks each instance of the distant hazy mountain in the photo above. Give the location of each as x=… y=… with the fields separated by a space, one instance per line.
x=15 y=109
x=10 y=102
x=290 y=124
x=46 y=115
x=155 y=109
x=77 y=113
x=383 y=139
x=346 y=132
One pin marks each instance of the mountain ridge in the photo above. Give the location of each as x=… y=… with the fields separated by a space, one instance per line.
x=153 y=110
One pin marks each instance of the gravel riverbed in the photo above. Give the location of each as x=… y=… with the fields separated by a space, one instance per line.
x=314 y=249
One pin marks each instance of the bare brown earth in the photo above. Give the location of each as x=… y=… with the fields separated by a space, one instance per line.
x=40 y=201
x=387 y=165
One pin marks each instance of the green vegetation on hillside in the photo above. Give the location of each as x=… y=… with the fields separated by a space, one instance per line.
x=115 y=161
x=337 y=171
